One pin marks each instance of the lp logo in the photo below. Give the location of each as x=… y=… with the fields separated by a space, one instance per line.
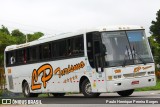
x=44 y=78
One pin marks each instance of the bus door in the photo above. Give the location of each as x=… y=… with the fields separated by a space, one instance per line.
x=94 y=51
x=98 y=54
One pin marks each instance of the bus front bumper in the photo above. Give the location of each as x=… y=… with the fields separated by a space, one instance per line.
x=130 y=83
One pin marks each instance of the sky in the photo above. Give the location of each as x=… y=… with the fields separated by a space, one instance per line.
x=60 y=16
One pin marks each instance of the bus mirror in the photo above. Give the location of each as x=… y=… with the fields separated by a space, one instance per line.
x=104 y=50
x=106 y=53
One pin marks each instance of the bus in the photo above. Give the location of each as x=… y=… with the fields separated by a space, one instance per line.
x=91 y=61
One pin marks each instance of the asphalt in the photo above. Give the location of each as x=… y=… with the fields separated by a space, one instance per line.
x=137 y=99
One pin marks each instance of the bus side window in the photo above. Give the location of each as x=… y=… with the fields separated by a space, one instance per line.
x=46 y=50
x=12 y=60
x=62 y=44
x=8 y=58
x=27 y=54
x=32 y=54
x=24 y=56
x=20 y=56
x=78 y=45
x=70 y=47
x=55 y=49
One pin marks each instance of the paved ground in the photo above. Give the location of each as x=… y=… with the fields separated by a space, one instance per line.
x=77 y=100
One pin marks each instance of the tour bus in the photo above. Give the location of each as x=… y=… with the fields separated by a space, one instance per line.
x=91 y=61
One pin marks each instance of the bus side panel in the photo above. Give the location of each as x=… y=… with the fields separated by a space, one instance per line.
x=59 y=82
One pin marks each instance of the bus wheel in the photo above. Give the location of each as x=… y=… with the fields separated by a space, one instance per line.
x=125 y=93
x=86 y=89
x=26 y=91
x=58 y=94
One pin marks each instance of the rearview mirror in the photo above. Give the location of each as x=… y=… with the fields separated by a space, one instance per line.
x=104 y=50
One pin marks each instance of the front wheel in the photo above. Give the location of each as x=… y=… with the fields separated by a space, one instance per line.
x=87 y=89
x=125 y=93
x=26 y=91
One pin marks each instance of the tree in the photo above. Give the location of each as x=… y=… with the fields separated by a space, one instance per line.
x=5 y=40
x=19 y=35
x=4 y=30
x=155 y=38
x=155 y=27
x=34 y=36
x=155 y=47
x=16 y=37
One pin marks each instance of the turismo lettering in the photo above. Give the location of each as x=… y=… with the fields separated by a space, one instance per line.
x=46 y=77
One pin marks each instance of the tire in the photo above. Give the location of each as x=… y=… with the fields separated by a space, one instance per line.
x=58 y=94
x=86 y=89
x=26 y=91
x=125 y=93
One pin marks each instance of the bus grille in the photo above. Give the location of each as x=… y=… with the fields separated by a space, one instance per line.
x=134 y=74
x=10 y=80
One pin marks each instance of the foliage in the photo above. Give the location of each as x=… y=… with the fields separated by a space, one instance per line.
x=155 y=27
x=5 y=30
x=155 y=47
x=15 y=37
x=34 y=36
x=20 y=37
x=155 y=38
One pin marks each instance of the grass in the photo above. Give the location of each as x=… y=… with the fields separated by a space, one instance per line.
x=0 y=96
x=157 y=87
x=0 y=92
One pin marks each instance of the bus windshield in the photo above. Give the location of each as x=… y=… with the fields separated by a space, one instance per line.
x=126 y=48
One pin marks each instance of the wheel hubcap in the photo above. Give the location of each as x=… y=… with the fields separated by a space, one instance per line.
x=88 y=88
x=26 y=90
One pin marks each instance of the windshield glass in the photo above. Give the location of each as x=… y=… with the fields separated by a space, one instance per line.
x=139 y=46
x=125 y=48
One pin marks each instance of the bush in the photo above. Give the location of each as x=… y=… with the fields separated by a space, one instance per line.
x=158 y=74
x=2 y=78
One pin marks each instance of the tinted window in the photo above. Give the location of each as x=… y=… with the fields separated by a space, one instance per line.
x=59 y=49
x=10 y=58
x=46 y=50
x=78 y=45
x=33 y=53
x=21 y=56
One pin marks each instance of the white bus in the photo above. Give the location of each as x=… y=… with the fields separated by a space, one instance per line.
x=106 y=59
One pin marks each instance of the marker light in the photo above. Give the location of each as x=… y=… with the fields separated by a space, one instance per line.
x=109 y=77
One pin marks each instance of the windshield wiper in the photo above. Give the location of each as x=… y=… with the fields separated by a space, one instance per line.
x=126 y=54
x=134 y=52
x=131 y=54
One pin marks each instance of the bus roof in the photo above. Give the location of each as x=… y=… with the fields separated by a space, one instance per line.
x=70 y=34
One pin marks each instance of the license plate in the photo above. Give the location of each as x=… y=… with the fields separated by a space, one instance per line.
x=135 y=82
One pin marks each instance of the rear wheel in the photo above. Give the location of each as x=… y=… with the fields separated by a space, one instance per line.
x=125 y=93
x=87 y=89
x=58 y=94
x=26 y=91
